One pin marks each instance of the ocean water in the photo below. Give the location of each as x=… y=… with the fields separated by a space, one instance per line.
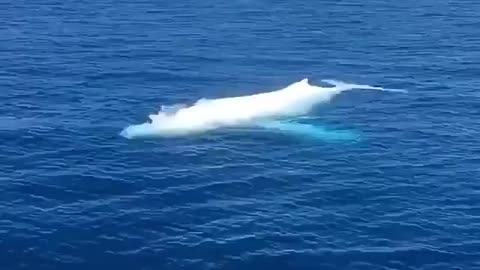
x=389 y=181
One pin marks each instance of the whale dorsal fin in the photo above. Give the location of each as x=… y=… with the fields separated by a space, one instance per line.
x=304 y=81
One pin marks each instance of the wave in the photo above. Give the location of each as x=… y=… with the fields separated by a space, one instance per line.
x=208 y=114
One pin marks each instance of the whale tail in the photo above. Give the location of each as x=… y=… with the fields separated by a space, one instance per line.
x=343 y=86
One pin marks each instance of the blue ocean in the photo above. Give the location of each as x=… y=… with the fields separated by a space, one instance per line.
x=363 y=179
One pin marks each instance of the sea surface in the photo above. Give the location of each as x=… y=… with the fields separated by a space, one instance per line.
x=77 y=195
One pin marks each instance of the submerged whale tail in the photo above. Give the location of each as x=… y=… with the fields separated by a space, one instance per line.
x=343 y=86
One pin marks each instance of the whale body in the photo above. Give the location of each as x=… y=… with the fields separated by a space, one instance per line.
x=209 y=114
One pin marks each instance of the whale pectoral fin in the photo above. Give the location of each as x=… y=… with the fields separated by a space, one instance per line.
x=309 y=130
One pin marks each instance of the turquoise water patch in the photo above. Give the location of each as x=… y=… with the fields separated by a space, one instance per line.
x=316 y=131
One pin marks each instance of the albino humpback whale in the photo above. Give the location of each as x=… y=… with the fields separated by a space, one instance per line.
x=264 y=109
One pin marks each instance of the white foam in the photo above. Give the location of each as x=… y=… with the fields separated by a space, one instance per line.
x=208 y=114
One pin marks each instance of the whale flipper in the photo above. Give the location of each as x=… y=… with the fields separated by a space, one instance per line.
x=309 y=130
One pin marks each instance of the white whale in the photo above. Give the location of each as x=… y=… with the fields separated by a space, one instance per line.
x=209 y=114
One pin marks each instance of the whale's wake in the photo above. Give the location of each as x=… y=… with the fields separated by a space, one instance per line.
x=264 y=110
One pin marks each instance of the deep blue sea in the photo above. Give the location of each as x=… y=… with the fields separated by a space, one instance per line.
x=77 y=195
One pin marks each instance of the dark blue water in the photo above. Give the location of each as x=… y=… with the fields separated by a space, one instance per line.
x=76 y=195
